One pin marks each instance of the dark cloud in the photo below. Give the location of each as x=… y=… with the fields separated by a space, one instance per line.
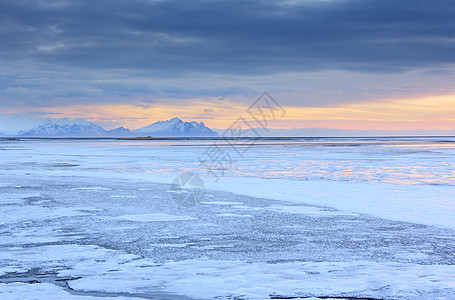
x=230 y=37
x=312 y=53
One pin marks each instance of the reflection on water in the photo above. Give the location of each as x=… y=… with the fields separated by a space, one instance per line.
x=393 y=161
x=379 y=160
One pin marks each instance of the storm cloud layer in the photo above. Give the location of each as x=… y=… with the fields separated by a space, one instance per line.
x=244 y=37
x=103 y=50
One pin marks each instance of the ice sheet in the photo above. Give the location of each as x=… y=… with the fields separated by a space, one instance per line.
x=207 y=279
x=399 y=179
x=310 y=229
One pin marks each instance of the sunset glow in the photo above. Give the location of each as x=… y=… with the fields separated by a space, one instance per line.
x=437 y=112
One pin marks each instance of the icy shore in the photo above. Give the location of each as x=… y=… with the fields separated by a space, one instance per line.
x=85 y=224
x=132 y=240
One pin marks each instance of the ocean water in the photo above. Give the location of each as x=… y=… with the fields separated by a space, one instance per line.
x=290 y=217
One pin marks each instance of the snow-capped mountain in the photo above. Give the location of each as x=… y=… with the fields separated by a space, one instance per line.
x=65 y=128
x=13 y=125
x=176 y=128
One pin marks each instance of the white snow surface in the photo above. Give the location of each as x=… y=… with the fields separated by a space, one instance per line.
x=209 y=279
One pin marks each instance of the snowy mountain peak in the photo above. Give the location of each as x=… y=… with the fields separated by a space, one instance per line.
x=174 y=120
x=64 y=128
x=176 y=127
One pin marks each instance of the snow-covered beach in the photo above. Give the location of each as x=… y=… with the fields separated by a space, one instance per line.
x=365 y=218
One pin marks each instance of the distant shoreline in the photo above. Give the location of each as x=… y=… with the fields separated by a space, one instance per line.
x=146 y=138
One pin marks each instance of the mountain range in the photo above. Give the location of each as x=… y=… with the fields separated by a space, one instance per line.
x=65 y=127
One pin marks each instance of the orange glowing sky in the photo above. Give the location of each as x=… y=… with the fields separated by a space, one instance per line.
x=431 y=112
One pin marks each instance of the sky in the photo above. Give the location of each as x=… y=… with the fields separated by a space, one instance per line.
x=344 y=64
